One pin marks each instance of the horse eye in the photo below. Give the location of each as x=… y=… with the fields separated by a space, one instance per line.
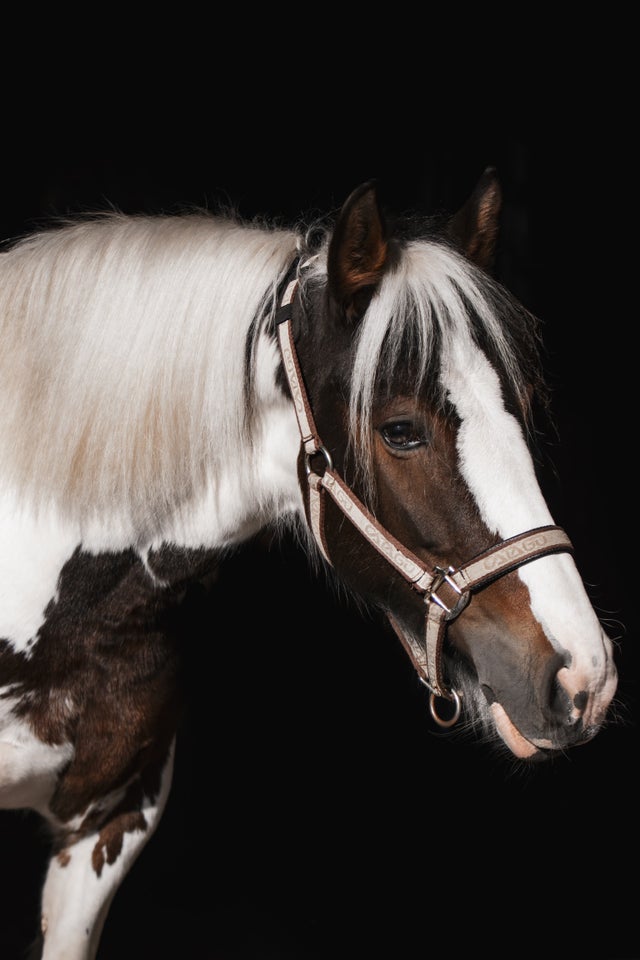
x=403 y=435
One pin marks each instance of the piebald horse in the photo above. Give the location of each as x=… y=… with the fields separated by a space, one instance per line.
x=172 y=385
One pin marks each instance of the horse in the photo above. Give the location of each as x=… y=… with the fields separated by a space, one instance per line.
x=171 y=386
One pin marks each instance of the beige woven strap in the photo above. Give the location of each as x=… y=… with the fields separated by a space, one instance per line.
x=398 y=556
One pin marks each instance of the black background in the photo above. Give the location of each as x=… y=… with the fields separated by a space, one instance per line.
x=316 y=812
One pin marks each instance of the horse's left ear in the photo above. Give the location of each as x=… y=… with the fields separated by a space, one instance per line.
x=358 y=251
x=475 y=226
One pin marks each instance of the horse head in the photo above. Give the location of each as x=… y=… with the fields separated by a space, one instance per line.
x=421 y=371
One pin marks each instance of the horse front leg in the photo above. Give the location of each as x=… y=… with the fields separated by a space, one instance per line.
x=87 y=868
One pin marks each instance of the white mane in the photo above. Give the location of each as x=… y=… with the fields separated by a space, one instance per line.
x=126 y=340
x=123 y=357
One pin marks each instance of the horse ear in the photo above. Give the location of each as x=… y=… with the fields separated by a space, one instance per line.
x=475 y=226
x=358 y=251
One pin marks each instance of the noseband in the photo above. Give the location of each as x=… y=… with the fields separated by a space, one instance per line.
x=446 y=590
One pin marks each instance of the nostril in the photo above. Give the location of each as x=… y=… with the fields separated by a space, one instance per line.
x=567 y=707
x=580 y=701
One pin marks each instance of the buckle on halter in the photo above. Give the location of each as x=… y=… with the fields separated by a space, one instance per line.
x=443 y=575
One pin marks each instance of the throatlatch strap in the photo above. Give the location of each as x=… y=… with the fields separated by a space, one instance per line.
x=447 y=591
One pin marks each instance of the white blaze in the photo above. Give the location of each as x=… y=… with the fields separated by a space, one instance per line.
x=498 y=469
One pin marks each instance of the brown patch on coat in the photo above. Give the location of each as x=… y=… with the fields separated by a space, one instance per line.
x=111 y=837
x=106 y=675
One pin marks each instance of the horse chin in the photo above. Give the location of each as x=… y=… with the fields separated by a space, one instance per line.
x=521 y=747
x=493 y=716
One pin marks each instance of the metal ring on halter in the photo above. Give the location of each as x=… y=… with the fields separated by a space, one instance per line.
x=320 y=451
x=457 y=708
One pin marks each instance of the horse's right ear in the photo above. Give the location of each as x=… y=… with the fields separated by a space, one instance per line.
x=358 y=251
x=475 y=226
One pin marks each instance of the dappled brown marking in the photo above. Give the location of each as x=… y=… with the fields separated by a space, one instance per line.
x=111 y=822
x=111 y=837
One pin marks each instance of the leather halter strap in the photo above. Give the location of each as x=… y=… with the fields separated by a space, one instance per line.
x=446 y=590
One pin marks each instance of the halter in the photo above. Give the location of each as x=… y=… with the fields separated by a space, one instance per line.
x=446 y=590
